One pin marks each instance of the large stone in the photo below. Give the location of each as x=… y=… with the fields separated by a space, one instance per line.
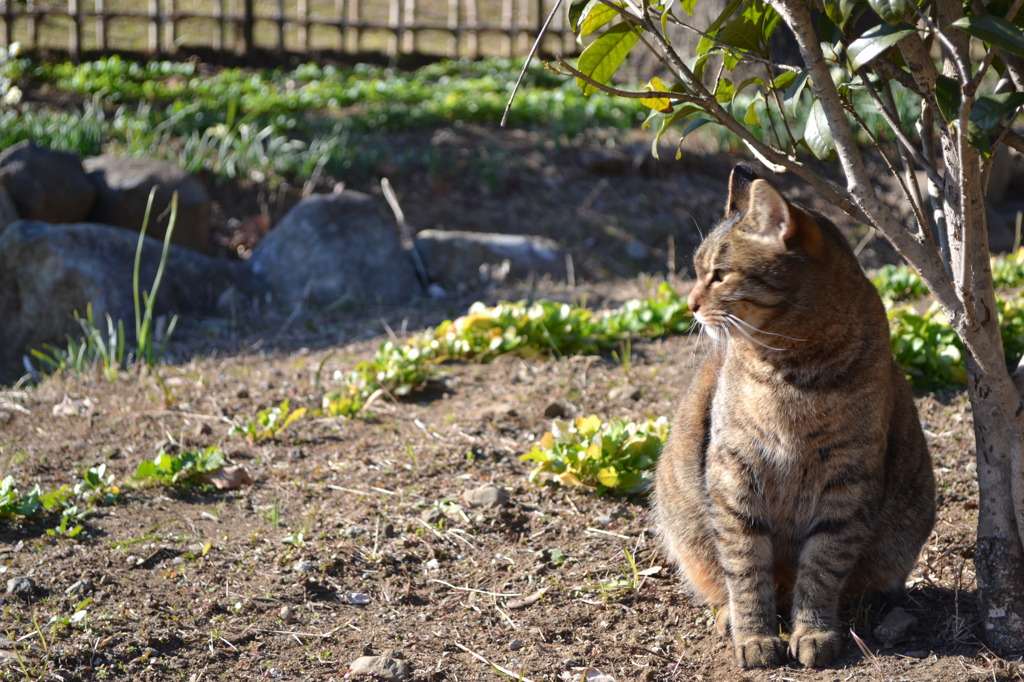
x=8 y=211
x=457 y=260
x=335 y=248
x=123 y=186
x=46 y=184
x=47 y=272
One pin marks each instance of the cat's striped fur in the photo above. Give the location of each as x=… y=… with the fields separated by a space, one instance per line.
x=796 y=472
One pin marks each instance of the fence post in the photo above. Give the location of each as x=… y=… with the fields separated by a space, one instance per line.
x=155 y=28
x=248 y=22
x=303 y=12
x=280 y=26
x=76 y=29
x=219 y=35
x=8 y=23
x=101 y=25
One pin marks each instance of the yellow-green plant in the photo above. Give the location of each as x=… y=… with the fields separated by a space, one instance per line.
x=616 y=455
x=269 y=423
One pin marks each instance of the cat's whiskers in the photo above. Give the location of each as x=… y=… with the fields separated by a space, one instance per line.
x=732 y=322
x=762 y=331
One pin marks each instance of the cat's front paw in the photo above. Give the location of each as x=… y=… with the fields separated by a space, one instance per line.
x=758 y=651
x=815 y=649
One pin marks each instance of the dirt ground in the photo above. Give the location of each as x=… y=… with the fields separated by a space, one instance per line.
x=355 y=536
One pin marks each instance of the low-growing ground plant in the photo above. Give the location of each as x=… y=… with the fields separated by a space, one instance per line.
x=541 y=328
x=186 y=469
x=269 y=423
x=73 y=504
x=616 y=455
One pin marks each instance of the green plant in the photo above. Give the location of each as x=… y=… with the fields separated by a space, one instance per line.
x=269 y=423
x=485 y=332
x=144 y=349
x=617 y=455
x=186 y=469
x=109 y=351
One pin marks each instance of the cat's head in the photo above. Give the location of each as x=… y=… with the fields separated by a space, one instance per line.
x=756 y=265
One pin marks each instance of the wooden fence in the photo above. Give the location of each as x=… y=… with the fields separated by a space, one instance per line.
x=453 y=28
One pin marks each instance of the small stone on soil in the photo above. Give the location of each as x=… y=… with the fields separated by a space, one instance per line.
x=380 y=668
x=515 y=645
x=287 y=613
x=304 y=566
x=624 y=393
x=80 y=588
x=895 y=627
x=488 y=495
x=21 y=587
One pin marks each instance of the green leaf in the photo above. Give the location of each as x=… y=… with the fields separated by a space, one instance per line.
x=578 y=10
x=791 y=98
x=890 y=10
x=874 y=42
x=600 y=15
x=839 y=11
x=995 y=31
x=947 y=95
x=725 y=90
x=987 y=113
x=602 y=58
x=749 y=32
x=817 y=134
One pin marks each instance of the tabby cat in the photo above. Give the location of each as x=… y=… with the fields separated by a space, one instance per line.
x=796 y=472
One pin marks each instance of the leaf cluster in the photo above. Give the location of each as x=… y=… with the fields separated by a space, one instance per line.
x=539 y=328
x=269 y=423
x=616 y=455
x=185 y=470
x=281 y=123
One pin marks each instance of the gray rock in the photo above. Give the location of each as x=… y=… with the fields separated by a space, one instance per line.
x=123 y=186
x=47 y=272
x=45 y=184
x=895 y=627
x=381 y=668
x=21 y=587
x=487 y=495
x=456 y=260
x=335 y=248
x=8 y=211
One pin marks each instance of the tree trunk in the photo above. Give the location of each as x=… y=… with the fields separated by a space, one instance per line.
x=999 y=556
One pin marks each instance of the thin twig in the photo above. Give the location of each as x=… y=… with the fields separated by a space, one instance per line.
x=474 y=590
x=403 y=229
x=529 y=58
x=504 y=671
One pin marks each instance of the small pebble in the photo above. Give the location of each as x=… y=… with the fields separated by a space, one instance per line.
x=357 y=598
x=624 y=393
x=895 y=627
x=487 y=495
x=355 y=531
x=304 y=566
x=287 y=613
x=21 y=587
x=80 y=588
x=515 y=645
x=382 y=668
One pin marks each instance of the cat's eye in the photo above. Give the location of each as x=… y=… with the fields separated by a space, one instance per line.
x=716 y=275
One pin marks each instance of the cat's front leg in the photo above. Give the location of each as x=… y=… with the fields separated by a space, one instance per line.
x=828 y=556
x=742 y=530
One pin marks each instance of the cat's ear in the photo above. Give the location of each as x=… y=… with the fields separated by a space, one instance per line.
x=769 y=213
x=739 y=189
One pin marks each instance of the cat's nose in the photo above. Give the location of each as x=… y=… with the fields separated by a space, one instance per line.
x=694 y=304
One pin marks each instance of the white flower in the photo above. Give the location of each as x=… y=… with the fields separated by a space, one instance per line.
x=12 y=96
x=14 y=50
